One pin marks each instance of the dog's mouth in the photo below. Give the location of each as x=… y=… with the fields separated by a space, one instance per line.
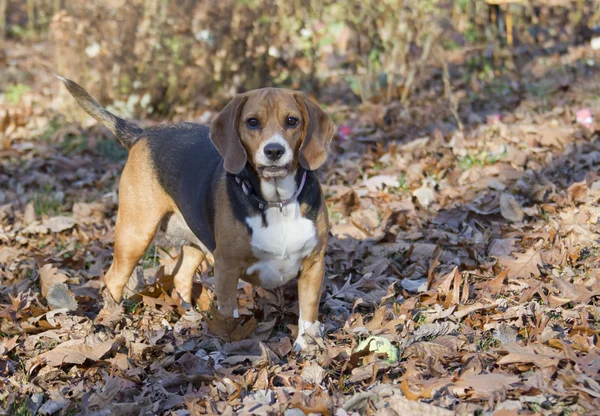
x=270 y=172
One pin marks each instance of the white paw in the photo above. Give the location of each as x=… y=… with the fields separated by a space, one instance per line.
x=300 y=344
x=309 y=333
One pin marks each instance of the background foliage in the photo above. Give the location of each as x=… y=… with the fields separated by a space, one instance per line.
x=153 y=56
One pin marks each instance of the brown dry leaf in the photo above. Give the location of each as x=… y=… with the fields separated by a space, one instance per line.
x=319 y=402
x=29 y=214
x=425 y=196
x=376 y=324
x=526 y=355
x=493 y=287
x=522 y=264
x=59 y=224
x=577 y=191
x=380 y=182
x=76 y=353
x=343 y=231
x=89 y=213
x=9 y=254
x=49 y=275
x=424 y=349
x=367 y=220
x=510 y=208
x=313 y=373
x=7 y=345
x=482 y=385
x=105 y=396
x=111 y=312
x=281 y=347
x=228 y=328
x=501 y=247
x=405 y=407
x=195 y=369
x=555 y=136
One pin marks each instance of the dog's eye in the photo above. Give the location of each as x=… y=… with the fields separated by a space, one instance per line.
x=292 y=121
x=253 y=123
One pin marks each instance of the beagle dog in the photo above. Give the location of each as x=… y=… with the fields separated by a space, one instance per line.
x=243 y=191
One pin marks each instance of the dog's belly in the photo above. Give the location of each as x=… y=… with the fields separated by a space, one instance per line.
x=281 y=246
x=177 y=232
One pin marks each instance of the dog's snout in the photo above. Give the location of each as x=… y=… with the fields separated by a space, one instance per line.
x=274 y=151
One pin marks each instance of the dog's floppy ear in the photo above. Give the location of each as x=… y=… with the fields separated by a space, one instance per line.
x=317 y=135
x=226 y=138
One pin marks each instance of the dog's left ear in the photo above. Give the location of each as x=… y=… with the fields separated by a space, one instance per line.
x=226 y=138
x=317 y=135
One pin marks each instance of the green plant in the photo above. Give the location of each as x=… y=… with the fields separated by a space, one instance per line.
x=52 y=127
x=150 y=258
x=14 y=93
x=485 y=343
x=479 y=160
x=131 y=307
x=19 y=408
x=48 y=202
x=112 y=150
x=74 y=143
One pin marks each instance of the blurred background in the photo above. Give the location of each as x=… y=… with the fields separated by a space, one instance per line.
x=160 y=58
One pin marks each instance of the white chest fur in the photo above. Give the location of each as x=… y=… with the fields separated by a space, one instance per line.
x=281 y=246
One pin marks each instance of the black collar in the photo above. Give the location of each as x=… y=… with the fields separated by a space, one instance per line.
x=249 y=190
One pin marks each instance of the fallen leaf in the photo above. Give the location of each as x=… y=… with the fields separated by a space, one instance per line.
x=59 y=224
x=404 y=407
x=526 y=355
x=60 y=297
x=379 y=345
x=49 y=275
x=494 y=286
x=510 y=208
x=313 y=373
x=522 y=264
x=228 y=328
x=505 y=334
x=70 y=353
x=425 y=196
x=378 y=182
x=577 y=191
x=29 y=214
x=482 y=385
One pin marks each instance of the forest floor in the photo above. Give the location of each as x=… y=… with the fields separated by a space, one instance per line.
x=475 y=251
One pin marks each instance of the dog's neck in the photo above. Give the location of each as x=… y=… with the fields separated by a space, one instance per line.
x=279 y=189
x=271 y=190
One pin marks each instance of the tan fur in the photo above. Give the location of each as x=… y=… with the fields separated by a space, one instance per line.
x=142 y=206
x=272 y=107
x=189 y=260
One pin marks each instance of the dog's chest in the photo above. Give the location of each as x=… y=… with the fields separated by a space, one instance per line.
x=281 y=246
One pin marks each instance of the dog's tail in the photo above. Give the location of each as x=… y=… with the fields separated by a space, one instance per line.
x=127 y=133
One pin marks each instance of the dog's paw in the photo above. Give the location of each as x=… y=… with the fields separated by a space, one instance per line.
x=310 y=336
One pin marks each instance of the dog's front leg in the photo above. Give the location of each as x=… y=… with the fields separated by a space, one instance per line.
x=226 y=282
x=310 y=285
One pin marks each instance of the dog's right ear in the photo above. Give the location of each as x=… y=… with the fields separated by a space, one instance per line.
x=224 y=133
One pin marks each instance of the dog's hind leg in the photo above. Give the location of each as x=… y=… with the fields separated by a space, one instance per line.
x=190 y=259
x=142 y=206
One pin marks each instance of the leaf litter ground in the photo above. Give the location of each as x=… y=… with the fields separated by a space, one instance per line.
x=466 y=262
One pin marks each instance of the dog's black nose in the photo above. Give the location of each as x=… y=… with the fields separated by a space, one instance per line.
x=274 y=151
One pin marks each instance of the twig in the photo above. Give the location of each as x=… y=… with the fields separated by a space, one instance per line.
x=449 y=96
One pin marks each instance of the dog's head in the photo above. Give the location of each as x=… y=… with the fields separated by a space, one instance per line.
x=273 y=130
